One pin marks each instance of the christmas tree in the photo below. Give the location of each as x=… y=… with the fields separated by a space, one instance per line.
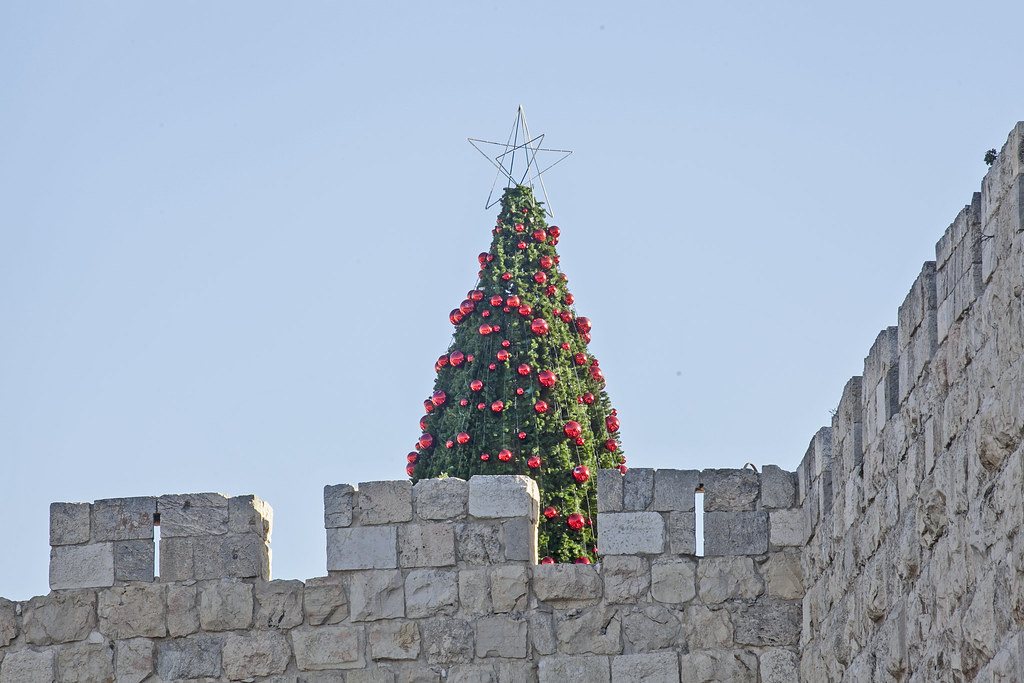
x=518 y=392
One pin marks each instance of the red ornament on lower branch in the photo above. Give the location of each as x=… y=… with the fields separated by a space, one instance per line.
x=581 y=473
x=575 y=521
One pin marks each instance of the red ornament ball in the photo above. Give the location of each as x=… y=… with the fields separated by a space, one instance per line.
x=496 y=300
x=623 y=469
x=485 y=457
x=588 y=398
x=481 y=406
x=569 y=299
x=423 y=423
x=520 y=227
x=498 y=406
x=513 y=301
x=455 y=316
x=546 y=262
x=572 y=429
x=547 y=378
x=550 y=512
x=469 y=358
x=467 y=306
x=550 y=290
x=523 y=369
x=485 y=314
x=457 y=358
x=525 y=310
x=464 y=402
x=476 y=295
x=611 y=446
x=582 y=560
x=438 y=398
x=428 y=405
x=575 y=521
x=506 y=276
x=486 y=329
x=595 y=372
x=533 y=462
x=579 y=441
x=612 y=423
x=583 y=325
x=412 y=457
x=555 y=231
x=449 y=444
x=540 y=235
x=462 y=438
x=548 y=560
x=522 y=436
x=482 y=258
x=492 y=366
x=541 y=407
x=502 y=355
x=581 y=473
x=504 y=455
x=476 y=385
x=521 y=245
x=580 y=359
x=409 y=469
x=540 y=277
x=539 y=326
x=425 y=442
x=442 y=360
x=519 y=391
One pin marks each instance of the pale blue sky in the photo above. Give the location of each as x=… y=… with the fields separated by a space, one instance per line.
x=231 y=232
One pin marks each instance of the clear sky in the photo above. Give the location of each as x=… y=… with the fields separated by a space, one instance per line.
x=231 y=232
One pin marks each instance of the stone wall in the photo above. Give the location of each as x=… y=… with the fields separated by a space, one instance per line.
x=915 y=494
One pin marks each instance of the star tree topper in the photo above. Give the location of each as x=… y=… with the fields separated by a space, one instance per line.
x=517 y=159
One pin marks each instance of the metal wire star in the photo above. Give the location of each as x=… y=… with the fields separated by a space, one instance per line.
x=524 y=149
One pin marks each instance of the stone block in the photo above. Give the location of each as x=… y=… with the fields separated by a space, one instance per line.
x=648 y=627
x=478 y=542
x=325 y=601
x=788 y=527
x=638 y=489
x=730 y=490
x=501 y=636
x=262 y=653
x=727 y=578
x=445 y=498
x=654 y=667
x=768 y=624
x=609 y=490
x=8 y=622
x=675 y=490
x=778 y=488
x=193 y=514
x=134 y=560
x=122 y=519
x=226 y=605
x=250 y=515
x=475 y=591
x=509 y=588
x=430 y=592
x=197 y=656
x=682 y=533
x=735 y=533
x=339 y=503
x=328 y=647
x=362 y=548
x=627 y=578
x=240 y=556
x=542 y=632
x=428 y=544
x=707 y=629
x=28 y=666
x=503 y=495
x=447 y=640
x=559 y=669
x=674 y=582
x=278 y=604
x=384 y=502
x=784 y=576
x=778 y=665
x=137 y=610
x=631 y=533
x=82 y=566
x=593 y=630
x=69 y=523
x=376 y=595
x=59 y=617
x=394 y=640
x=735 y=666
x=85 y=663
x=519 y=538
x=182 y=610
x=136 y=660
x=566 y=583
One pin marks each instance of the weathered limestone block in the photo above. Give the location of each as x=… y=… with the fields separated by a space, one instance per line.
x=197 y=656
x=504 y=495
x=595 y=630
x=362 y=548
x=638 y=489
x=243 y=556
x=501 y=636
x=324 y=601
x=627 y=578
x=59 y=617
x=784 y=576
x=650 y=627
x=192 y=514
x=654 y=667
x=376 y=595
x=8 y=622
x=426 y=545
x=673 y=582
x=85 y=663
x=779 y=666
x=136 y=660
x=122 y=519
x=262 y=653
x=182 y=610
x=394 y=640
x=339 y=503
x=472 y=673
x=478 y=542
x=631 y=533
x=69 y=523
x=788 y=527
x=768 y=623
x=778 y=488
x=706 y=629
x=726 y=666
x=430 y=592
x=137 y=610
x=682 y=535
x=448 y=640
x=225 y=605
x=250 y=515
x=519 y=538
x=328 y=647
x=570 y=583
x=542 y=632
x=82 y=566
x=509 y=587
x=735 y=533
x=385 y=502
x=675 y=490
x=559 y=669
x=445 y=498
x=134 y=560
x=730 y=490
x=28 y=666
x=279 y=604
x=609 y=490
x=474 y=591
